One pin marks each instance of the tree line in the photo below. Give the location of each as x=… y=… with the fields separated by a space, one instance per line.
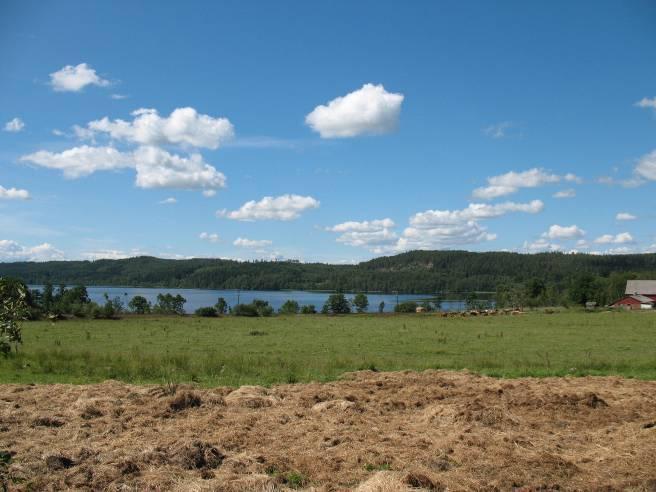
x=555 y=276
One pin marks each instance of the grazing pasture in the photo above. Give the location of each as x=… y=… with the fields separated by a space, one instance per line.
x=285 y=349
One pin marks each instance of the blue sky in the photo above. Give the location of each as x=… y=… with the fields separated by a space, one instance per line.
x=334 y=131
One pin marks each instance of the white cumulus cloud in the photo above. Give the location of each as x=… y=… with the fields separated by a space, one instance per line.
x=169 y=201
x=243 y=242
x=14 y=125
x=13 y=251
x=75 y=78
x=370 y=110
x=13 y=194
x=184 y=126
x=474 y=211
x=646 y=167
x=81 y=161
x=511 y=182
x=374 y=234
x=646 y=102
x=564 y=232
x=622 y=238
x=284 y=207
x=431 y=229
x=625 y=216
x=157 y=168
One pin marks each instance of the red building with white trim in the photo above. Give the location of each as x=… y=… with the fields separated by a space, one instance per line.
x=639 y=294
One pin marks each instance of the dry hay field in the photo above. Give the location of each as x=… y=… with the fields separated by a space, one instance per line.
x=368 y=431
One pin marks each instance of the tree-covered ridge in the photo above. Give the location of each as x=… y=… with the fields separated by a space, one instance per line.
x=412 y=272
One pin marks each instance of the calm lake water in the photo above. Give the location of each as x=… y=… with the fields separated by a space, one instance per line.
x=200 y=297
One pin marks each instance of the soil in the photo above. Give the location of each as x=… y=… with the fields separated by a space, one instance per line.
x=434 y=430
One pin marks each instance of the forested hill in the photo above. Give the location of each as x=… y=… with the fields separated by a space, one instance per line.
x=412 y=272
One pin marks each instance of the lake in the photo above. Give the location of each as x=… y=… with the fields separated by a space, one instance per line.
x=197 y=298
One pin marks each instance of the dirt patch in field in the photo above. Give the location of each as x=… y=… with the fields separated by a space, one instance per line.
x=373 y=432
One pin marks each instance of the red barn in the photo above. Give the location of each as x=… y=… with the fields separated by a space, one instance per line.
x=639 y=294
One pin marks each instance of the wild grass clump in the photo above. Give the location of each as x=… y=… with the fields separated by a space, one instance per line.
x=185 y=400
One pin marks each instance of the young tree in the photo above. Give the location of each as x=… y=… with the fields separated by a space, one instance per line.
x=221 y=306
x=289 y=307
x=48 y=297
x=361 y=302
x=139 y=305
x=336 y=304
x=169 y=304
x=13 y=308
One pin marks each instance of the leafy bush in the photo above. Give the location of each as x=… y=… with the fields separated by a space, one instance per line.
x=290 y=307
x=257 y=308
x=139 y=305
x=207 y=312
x=406 y=307
x=309 y=309
x=248 y=310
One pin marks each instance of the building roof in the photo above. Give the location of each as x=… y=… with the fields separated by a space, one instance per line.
x=643 y=287
x=643 y=299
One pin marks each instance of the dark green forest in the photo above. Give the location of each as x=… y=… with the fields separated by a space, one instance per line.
x=546 y=275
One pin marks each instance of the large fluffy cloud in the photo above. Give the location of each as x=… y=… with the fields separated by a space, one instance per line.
x=564 y=232
x=14 y=125
x=156 y=168
x=184 y=126
x=370 y=110
x=511 y=182
x=75 y=78
x=13 y=251
x=373 y=234
x=81 y=161
x=13 y=194
x=284 y=207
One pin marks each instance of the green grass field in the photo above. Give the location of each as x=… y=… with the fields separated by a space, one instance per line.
x=235 y=351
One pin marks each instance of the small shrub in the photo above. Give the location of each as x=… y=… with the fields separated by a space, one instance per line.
x=309 y=309
x=295 y=480
x=290 y=307
x=406 y=307
x=207 y=312
x=248 y=310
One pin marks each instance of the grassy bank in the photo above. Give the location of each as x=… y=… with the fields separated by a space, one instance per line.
x=235 y=351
